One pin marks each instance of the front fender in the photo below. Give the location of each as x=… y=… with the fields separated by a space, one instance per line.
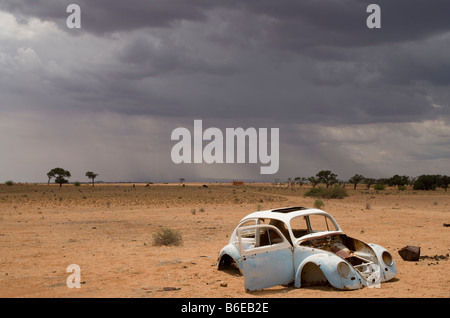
x=388 y=270
x=327 y=263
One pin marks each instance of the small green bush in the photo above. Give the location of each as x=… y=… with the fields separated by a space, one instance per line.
x=314 y=192
x=318 y=204
x=167 y=237
x=336 y=192
x=9 y=183
x=76 y=184
x=379 y=186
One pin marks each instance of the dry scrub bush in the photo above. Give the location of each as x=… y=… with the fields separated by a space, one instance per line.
x=167 y=237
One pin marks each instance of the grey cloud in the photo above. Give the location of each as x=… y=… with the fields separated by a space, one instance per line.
x=378 y=149
x=231 y=63
x=104 y=16
x=296 y=24
x=178 y=72
x=304 y=24
x=141 y=57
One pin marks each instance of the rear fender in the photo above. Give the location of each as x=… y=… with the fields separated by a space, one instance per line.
x=232 y=251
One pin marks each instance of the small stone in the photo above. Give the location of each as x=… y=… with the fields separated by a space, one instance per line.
x=170 y=288
x=223 y=284
x=410 y=253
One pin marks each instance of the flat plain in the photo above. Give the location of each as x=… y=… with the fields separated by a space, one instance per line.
x=108 y=231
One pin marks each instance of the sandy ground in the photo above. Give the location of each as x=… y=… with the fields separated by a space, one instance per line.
x=108 y=231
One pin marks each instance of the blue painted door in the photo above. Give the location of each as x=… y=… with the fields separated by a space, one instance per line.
x=269 y=262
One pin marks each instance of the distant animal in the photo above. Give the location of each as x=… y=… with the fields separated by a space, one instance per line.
x=205 y=186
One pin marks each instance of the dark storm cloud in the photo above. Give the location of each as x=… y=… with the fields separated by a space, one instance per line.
x=297 y=24
x=288 y=60
x=101 y=16
x=108 y=95
x=305 y=24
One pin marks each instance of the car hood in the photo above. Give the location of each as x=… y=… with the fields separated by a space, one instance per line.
x=354 y=251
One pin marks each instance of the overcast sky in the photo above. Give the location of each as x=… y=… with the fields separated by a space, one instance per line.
x=106 y=97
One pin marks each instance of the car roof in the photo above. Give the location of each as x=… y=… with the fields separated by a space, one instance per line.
x=285 y=214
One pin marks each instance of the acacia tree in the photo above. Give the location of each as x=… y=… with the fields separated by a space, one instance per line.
x=357 y=178
x=60 y=175
x=327 y=177
x=50 y=175
x=445 y=181
x=398 y=181
x=314 y=181
x=290 y=183
x=92 y=176
x=300 y=180
x=369 y=182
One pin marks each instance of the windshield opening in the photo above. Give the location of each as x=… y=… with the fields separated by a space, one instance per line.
x=312 y=223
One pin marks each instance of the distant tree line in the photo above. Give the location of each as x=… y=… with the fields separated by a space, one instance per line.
x=61 y=175
x=422 y=182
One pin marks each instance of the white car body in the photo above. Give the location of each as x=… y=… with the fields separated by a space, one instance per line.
x=290 y=245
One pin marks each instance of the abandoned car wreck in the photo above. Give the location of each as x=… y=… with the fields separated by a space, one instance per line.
x=303 y=246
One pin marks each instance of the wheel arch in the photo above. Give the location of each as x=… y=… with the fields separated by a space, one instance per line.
x=228 y=256
x=321 y=267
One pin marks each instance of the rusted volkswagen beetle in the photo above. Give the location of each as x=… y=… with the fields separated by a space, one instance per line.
x=303 y=246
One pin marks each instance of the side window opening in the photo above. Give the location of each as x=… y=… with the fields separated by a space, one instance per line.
x=283 y=229
x=269 y=237
x=260 y=237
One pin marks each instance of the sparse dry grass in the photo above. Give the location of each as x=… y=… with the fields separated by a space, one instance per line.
x=124 y=195
x=108 y=231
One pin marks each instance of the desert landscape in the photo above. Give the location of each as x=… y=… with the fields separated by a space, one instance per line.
x=108 y=231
